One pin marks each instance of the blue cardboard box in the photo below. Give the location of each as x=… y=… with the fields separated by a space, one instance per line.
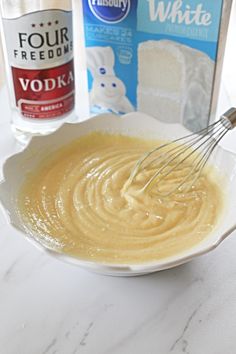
x=155 y=56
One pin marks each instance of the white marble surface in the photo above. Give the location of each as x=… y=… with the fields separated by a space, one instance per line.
x=48 y=307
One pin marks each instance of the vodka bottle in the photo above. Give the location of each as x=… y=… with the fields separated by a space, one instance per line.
x=38 y=49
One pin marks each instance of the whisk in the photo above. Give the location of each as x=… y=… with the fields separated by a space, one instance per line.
x=183 y=159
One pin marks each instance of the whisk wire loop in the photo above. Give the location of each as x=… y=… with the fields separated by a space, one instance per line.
x=190 y=152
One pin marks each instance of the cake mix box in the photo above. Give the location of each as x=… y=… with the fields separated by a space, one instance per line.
x=163 y=58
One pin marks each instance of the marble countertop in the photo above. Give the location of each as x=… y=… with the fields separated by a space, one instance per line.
x=48 y=307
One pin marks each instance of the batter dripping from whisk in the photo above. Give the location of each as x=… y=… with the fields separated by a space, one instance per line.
x=78 y=203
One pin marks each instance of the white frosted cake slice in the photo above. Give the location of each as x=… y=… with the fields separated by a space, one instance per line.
x=174 y=83
x=160 y=106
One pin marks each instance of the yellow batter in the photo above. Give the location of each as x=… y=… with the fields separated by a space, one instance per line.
x=76 y=203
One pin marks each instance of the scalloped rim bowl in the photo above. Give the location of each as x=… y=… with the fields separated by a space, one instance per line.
x=133 y=124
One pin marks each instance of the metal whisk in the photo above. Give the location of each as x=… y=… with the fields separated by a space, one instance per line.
x=183 y=159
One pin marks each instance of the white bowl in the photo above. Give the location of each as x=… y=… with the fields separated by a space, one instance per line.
x=133 y=124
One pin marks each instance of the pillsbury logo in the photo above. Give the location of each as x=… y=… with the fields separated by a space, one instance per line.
x=102 y=71
x=110 y=11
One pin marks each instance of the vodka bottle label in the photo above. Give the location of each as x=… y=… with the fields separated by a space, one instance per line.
x=40 y=53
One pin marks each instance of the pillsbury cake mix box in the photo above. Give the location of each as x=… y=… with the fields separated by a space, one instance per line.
x=160 y=57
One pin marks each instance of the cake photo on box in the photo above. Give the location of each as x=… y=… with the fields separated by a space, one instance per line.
x=174 y=83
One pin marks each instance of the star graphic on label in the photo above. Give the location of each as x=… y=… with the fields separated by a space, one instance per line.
x=49 y=23
x=41 y=25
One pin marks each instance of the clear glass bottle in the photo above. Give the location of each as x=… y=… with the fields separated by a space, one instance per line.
x=38 y=48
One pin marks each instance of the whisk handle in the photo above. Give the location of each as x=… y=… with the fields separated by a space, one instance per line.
x=230 y=115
